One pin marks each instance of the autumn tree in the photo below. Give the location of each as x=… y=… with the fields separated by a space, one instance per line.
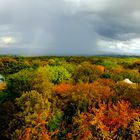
x=86 y=73
x=29 y=122
x=107 y=119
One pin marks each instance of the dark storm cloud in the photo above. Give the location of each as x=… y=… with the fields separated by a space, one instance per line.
x=68 y=27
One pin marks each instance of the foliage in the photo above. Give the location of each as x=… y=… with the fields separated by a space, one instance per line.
x=59 y=74
x=108 y=118
x=36 y=64
x=2 y=86
x=74 y=98
x=128 y=92
x=41 y=81
x=135 y=128
x=19 y=82
x=34 y=112
x=7 y=109
x=106 y=75
x=10 y=65
x=62 y=88
x=55 y=121
x=120 y=75
x=29 y=80
x=86 y=73
x=107 y=64
x=70 y=68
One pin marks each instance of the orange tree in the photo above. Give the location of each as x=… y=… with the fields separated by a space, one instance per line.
x=106 y=121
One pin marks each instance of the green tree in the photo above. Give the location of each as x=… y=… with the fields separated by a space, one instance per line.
x=27 y=80
x=59 y=74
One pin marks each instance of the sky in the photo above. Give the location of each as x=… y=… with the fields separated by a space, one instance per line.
x=69 y=27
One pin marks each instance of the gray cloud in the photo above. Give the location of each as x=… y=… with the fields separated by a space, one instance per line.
x=69 y=27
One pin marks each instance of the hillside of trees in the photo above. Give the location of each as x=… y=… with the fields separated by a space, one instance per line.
x=69 y=98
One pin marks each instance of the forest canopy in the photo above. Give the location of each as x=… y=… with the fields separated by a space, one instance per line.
x=72 y=98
